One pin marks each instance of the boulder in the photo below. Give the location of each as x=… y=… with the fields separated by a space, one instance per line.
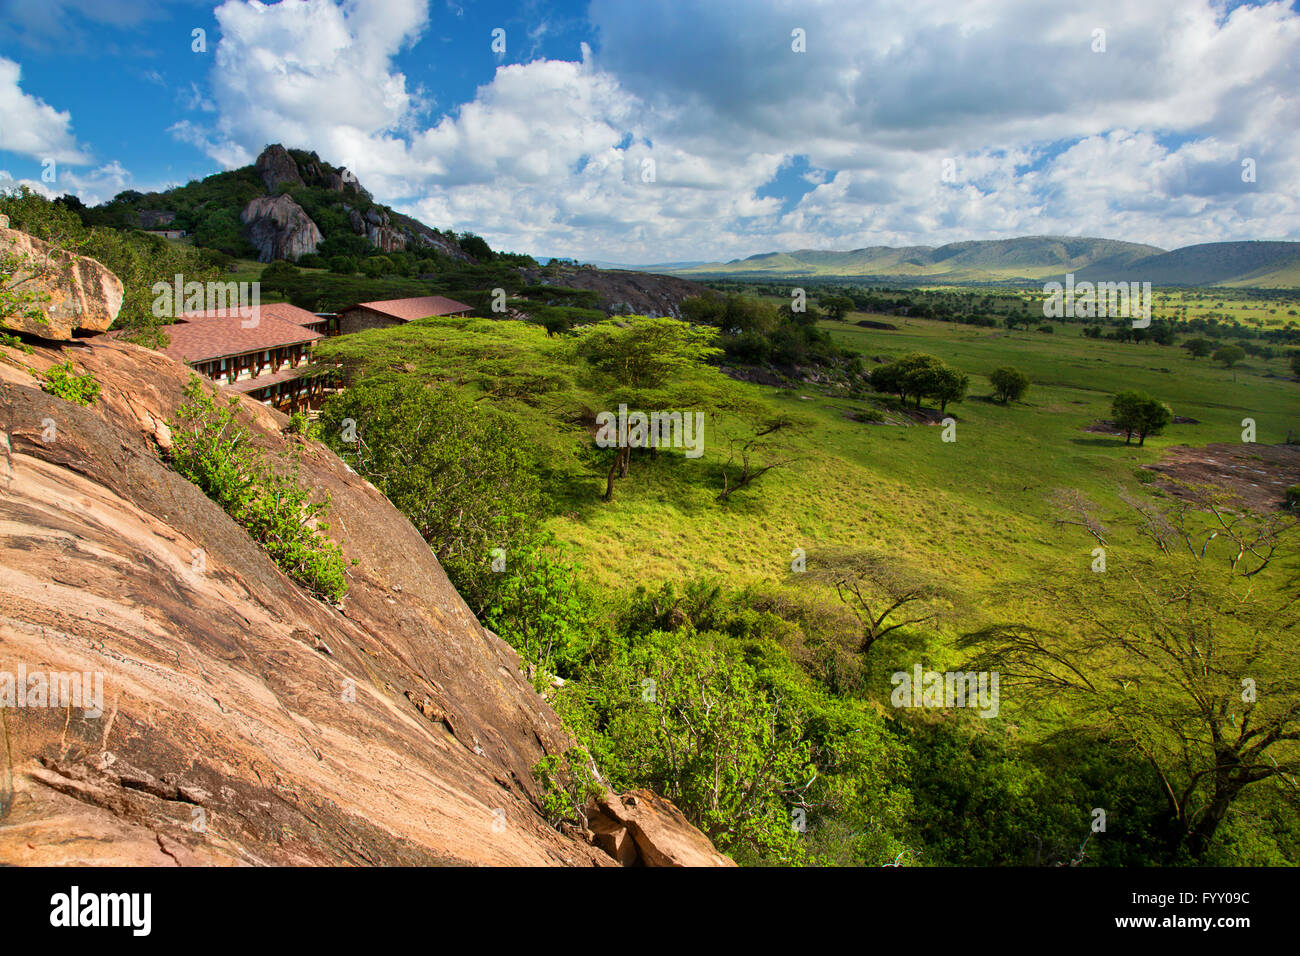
x=662 y=834
x=378 y=228
x=83 y=294
x=155 y=218
x=279 y=228
x=277 y=167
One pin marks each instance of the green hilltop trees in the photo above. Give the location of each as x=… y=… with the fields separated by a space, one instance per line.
x=1229 y=355
x=643 y=363
x=1138 y=413
x=918 y=376
x=1009 y=384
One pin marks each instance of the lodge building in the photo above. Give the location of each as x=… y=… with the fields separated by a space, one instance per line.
x=264 y=351
x=391 y=312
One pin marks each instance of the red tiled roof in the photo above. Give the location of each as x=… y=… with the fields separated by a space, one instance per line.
x=201 y=337
x=418 y=308
x=262 y=381
x=276 y=310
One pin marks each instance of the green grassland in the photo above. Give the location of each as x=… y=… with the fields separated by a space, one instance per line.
x=975 y=508
x=974 y=513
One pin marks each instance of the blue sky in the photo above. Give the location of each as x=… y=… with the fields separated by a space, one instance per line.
x=661 y=131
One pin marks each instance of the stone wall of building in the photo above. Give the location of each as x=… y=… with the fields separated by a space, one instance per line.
x=358 y=320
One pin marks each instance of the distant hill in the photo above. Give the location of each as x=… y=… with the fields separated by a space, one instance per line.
x=1257 y=264
x=1031 y=258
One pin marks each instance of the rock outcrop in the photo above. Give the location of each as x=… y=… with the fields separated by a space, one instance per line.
x=243 y=721
x=279 y=228
x=155 y=218
x=277 y=167
x=375 y=225
x=84 y=296
x=642 y=828
x=630 y=293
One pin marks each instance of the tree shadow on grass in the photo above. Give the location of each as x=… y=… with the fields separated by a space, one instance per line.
x=1109 y=442
x=690 y=486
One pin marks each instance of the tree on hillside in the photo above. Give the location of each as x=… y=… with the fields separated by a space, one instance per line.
x=1229 y=355
x=836 y=306
x=919 y=376
x=1295 y=364
x=949 y=385
x=885 y=593
x=757 y=442
x=476 y=246
x=647 y=364
x=460 y=472
x=1009 y=384
x=1138 y=413
x=1199 y=347
x=1184 y=659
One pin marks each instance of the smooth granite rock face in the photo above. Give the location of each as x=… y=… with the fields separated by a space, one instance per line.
x=75 y=293
x=279 y=228
x=228 y=717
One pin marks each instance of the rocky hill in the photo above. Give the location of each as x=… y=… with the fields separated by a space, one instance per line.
x=287 y=204
x=618 y=291
x=243 y=720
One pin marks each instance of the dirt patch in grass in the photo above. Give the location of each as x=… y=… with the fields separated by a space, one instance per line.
x=1258 y=474
x=1103 y=428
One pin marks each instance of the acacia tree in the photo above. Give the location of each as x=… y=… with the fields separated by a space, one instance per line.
x=949 y=385
x=884 y=592
x=1138 y=413
x=1009 y=384
x=918 y=375
x=757 y=441
x=644 y=363
x=1229 y=355
x=1191 y=668
x=1187 y=658
x=1246 y=540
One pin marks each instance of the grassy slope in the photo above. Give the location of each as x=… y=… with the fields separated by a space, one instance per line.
x=974 y=510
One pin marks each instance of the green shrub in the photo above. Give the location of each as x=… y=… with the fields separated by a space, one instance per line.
x=212 y=450
x=62 y=381
x=300 y=424
x=568 y=784
x=1009 y=384
x=14 y=342
x=459 y=471
x=1137 y=413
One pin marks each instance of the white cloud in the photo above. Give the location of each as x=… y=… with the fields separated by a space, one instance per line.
x=228 y=153
x=30 y=127
x=98 y=185
x=1141 y=142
